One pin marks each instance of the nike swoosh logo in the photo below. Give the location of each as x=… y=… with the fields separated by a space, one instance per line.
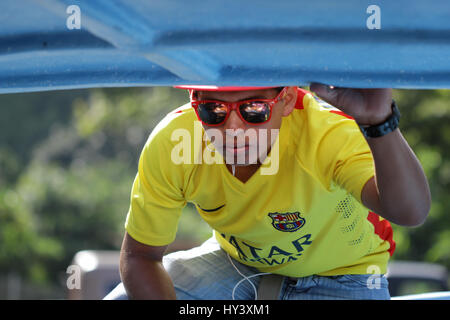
x=212 y=210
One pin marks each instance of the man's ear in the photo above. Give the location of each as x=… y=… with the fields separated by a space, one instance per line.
x=290 y=98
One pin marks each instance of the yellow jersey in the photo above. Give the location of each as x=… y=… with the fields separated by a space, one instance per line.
x=305 y=219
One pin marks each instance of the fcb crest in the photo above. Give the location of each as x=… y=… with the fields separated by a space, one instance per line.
x=287 y=222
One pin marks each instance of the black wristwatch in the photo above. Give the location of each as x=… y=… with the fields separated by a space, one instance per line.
x=384 y=128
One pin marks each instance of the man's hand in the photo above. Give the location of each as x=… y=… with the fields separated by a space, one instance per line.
x=399 y=191
x=366 y=106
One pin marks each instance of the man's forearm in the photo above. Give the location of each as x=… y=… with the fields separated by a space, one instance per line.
x=404 y=195
x=145 y=279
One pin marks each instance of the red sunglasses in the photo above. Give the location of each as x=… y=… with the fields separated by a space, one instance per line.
x=253 y=111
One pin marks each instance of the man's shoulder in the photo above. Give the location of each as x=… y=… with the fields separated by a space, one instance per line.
x=174 y=138
x=321 y=130
x=315 y=117
x=180 y=119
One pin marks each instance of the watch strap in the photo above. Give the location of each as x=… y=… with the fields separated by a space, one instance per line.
x=384 y=128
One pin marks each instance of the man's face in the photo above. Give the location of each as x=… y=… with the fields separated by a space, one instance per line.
x=241 y=143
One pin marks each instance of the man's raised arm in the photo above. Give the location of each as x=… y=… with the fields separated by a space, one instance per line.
x=399 y=192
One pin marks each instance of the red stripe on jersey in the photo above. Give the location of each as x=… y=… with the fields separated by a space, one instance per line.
x=341 y=114
x=300 y=95
x=383 y=229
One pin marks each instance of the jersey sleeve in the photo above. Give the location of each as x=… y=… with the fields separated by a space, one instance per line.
x=338 y=152
x=353 y=165
x=157 y=197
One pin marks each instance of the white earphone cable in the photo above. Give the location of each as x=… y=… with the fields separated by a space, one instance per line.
x=245 y=278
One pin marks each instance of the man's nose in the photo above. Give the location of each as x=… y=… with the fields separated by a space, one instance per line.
x=234 y=121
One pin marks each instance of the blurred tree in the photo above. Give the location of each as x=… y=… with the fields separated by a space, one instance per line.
x=28 y=118
x=426 y=126
x=70 y=192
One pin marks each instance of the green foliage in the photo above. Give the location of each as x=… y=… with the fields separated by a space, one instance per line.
x=68 y=160
x=70 y=190
x=426 y=126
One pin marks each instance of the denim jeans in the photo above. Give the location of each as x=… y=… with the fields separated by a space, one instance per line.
x=206 y=273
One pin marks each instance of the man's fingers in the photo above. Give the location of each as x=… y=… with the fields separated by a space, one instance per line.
x=328 y=93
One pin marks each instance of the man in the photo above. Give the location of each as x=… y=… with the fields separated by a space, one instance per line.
x=320 y=218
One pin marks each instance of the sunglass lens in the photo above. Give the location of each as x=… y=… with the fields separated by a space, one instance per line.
x=255 y=112
x=212 y=112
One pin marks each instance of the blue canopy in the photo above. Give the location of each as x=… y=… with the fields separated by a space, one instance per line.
x=397 y=44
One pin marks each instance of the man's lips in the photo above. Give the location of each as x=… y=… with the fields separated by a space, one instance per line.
x=237 y=149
